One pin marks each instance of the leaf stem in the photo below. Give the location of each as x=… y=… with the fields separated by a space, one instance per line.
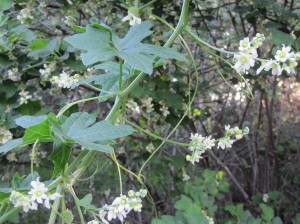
x=7 y=215
x=65 y=108
x=119 y=171
x=153 y=135
x=136 y=3
x=32 y=158
x=55 y=206
x=147 y=4
x=71 y=190
x=121 y=75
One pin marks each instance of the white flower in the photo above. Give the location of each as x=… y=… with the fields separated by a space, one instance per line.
x=284 y=54
x=38 y=191
x=193 y=158
x=185 y=177
x=102 y=215
x=272 y=64
x=225 y=143
x=244 y=62
x=209 y=142
x=290 y=68
x=133 y=106
x=133 y=20
x=54 y=196
x=19 y=199
x=65 y=81
x=24 y=15
x=150 y=147
x=196 y=139
x=265 y=198
x=114 y=212
x=121 y=203
x=93 y=222
x=244 y=44
x=24 y=97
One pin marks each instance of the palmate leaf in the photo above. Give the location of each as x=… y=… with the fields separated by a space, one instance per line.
x=78 y=128
x=100 y=44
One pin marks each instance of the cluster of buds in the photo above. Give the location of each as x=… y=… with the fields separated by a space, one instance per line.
x=24 y=97
x=248 y=52
x=24 y=15
x=285 y=59
x=46 y=72
x=121 y=206
x=37 y=195
x=200 y=144
x=5 y=135
x=65 y=81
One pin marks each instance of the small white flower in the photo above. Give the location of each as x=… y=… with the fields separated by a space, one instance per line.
x=193 y=158
x=185 y=177
x=93 y=222
x=24 y=97
x=19 y=199
x=290 y=68
x=65 y=81
x=102 y=214
x=225 y=143
x=244 y=62
x=265 y=198
x=133 y=20
x=272 y=64
x=284 y=54
x=244 y=44
x=38 y=191
x=209 y=142
x=114 y=212
x=121 y=202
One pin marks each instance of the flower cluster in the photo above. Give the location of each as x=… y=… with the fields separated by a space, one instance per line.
x=13 y=74
x=200 y=144
x=24 y=97
x=65 y=80
x=46 y=72
x=37 y=195
x=5 y=135
x=24 y=15
x=122 y=205
x=285 y=59
x=133 y=106
x=248 y=52
x=164 y=109
x=133 y=20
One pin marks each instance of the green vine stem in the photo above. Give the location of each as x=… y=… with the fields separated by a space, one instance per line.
x=55 y=206
x=32 y=158
x=153 y=135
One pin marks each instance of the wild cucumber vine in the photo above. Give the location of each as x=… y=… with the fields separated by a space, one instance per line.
x=126 y=61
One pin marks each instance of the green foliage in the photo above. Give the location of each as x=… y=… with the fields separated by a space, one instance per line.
x=60 y=156
x=102 y=44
